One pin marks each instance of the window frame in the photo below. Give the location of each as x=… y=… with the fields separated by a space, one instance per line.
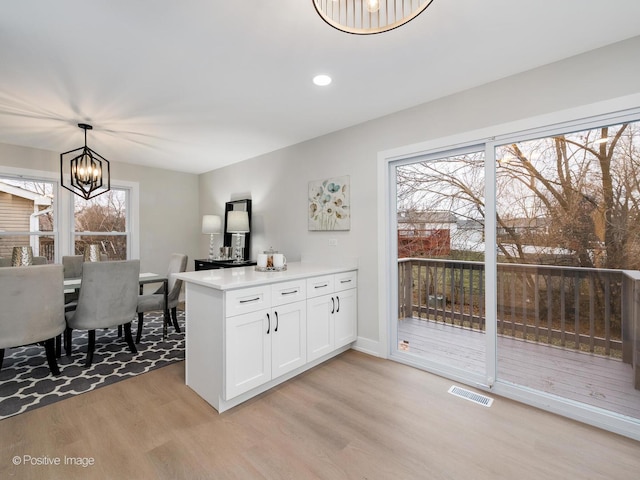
x=5 y=173
x=127 y=231
x=64 y=225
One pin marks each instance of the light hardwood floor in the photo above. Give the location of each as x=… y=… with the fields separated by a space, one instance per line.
x=354 y=417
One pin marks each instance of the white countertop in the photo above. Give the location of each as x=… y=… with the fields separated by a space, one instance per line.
x=240 y=277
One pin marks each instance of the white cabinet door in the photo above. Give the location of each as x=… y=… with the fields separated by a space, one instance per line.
x=288 y=338
x=248 y=352
x=319 y=326
x=345 y=317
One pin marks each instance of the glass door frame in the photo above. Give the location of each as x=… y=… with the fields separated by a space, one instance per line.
x=406 y=357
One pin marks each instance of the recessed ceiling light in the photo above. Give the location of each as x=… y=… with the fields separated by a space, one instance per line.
x=322 y=80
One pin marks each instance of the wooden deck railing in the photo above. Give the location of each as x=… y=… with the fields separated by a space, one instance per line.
x=591 y=310
x=631 y=322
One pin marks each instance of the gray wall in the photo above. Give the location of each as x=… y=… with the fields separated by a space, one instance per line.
x=169 y=220
x=171 y=203
x=278 y=182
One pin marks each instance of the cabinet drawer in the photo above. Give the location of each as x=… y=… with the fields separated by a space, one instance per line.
x=247 y=300
x=317 y=286
x=288 y=292
x=346 y=280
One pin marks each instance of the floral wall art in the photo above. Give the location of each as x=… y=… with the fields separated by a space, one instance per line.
x=329 y=204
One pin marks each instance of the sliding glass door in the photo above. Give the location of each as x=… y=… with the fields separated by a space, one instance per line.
x=439 y=216
x=521 y=273
x=568 y=236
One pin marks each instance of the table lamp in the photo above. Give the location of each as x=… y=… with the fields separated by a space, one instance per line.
x=238 y=224
x=211 y=224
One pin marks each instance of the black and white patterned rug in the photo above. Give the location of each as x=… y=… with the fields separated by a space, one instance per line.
x=26 y=382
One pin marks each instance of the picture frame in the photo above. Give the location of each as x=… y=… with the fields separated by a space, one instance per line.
x=330 y=204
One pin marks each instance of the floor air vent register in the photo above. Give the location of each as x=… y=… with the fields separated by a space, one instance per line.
x=471 y=396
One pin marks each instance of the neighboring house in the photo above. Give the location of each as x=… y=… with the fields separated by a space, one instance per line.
x=21 y=211
x=436 y=233
x=425 y=234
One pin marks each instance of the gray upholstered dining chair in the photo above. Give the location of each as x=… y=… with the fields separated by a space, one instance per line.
x=155 y=301
x=73 y=269
x=108 y=298
x=73 y=264
x=32 y=308
x=6 y=261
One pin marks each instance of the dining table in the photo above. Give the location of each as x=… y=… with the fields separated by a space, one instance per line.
x=73 y=284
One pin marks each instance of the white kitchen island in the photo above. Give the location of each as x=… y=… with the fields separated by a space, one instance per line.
x=247 y=331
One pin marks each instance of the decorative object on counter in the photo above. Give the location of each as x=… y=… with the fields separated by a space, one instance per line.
x=212 y=224
x=88 y=173
x=271 y=261
x=329 y=204
x=22 y=257
x=279 y=261
x=225 y=253
x=238 y=224
x=245 y=239
x=92 y=253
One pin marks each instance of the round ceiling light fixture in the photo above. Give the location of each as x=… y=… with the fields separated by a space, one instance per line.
x=365 y=17
x=322 y=80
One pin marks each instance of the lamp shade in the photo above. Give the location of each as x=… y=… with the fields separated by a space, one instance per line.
x=211 y=224
x=237 y=221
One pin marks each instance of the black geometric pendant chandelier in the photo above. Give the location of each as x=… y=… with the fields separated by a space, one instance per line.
x=88 y=174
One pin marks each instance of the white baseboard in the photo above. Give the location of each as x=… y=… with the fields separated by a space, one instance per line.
x=368 y=346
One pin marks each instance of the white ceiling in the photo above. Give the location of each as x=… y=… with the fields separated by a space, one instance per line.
x=193 y=85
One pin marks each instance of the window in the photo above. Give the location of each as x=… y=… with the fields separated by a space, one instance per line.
x=103 y=220
x=35 y=210
x=28 y=216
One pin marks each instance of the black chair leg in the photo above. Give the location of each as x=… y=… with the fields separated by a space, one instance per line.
x=58 y=345
x=90 y=348
x=1 y=357
x=140 y=320
x=129 y=338
x=67 y=341
x=174 y=317
x=50 y=349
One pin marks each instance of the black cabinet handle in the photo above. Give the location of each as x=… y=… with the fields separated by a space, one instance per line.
x=345 y=281
x=333 y=305
x=277 y=322
x=289 y=293
x=250 y=300
x=321 y=286
x=338 y=309
x=269 y=324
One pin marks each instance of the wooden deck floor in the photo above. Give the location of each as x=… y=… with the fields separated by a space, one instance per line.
x=590 y=379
